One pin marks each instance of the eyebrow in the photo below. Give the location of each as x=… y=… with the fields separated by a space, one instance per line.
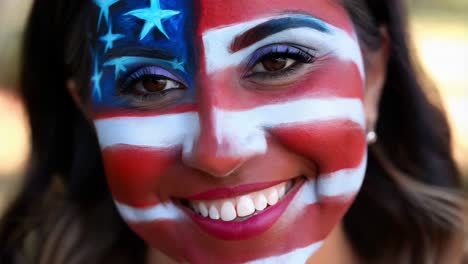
x=138 y=51
x=274 y=26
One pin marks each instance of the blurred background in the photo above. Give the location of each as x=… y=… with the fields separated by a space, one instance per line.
x=440 y=35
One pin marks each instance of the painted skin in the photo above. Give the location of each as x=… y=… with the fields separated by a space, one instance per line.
x=246 y=97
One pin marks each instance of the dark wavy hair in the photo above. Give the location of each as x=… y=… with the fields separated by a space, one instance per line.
x=409 y=209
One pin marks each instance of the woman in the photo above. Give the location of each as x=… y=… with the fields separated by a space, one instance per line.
x=230 y=131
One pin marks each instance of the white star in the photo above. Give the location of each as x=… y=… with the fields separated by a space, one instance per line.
x=109 y=38
x=153 y=17
x=178 y=65
x=104 y=5
x=119 y=65
x=96 y=79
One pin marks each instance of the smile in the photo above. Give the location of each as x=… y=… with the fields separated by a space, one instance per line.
x=245 y=215
x=242 y=207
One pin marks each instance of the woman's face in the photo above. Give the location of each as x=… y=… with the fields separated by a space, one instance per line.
x=231 y=131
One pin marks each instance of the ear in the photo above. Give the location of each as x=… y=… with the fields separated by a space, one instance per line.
x=75 y=95
x=376 y=73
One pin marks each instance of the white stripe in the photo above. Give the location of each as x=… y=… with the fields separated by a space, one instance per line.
x=217 y=43
x=244 y=130
x=341 y=183
x=153 y=131
x=347 y=181
x=296 y=256
x=337 y=42
x=166 y=211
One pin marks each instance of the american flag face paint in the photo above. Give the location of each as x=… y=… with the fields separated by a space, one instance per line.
x=231 y=131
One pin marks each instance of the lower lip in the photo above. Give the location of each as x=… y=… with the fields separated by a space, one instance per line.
x=249 y=228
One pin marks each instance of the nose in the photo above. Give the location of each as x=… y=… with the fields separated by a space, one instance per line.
x=225 y=139
x=213 y=153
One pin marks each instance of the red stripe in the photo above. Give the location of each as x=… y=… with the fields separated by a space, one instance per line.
x=185 y=241
x=331 y=145
x=134 y=173
x=215 y=13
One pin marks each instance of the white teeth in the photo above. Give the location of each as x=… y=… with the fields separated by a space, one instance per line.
x=272 y=197
x=228 y=213
x=281 y=190
x=260 y=202
x=242 y=206
x=203 y=209
x=245 y=206
x=214 y=213
x=196 y=208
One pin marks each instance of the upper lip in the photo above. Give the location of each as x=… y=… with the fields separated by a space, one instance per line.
x=229 y=192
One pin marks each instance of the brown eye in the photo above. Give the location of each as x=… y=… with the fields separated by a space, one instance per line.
x=275 y=64
x=154 y=85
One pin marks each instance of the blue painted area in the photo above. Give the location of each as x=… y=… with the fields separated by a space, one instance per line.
x=127 y=44
x=110 y=38
x=104 y=6
x=153 y=17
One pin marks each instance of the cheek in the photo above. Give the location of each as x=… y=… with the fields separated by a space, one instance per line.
x=335 y=139
x=333 y=78
x=138 y=149
x=333 y=145
x=133 y=173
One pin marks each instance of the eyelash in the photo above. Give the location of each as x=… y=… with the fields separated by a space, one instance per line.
x=278 y=51
x=150 y=73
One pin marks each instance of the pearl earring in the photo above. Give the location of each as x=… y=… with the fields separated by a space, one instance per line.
x=371 y=137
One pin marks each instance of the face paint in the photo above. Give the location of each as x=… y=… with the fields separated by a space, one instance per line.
x=231 y=131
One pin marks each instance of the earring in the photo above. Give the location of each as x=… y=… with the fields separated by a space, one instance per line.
x=371 y=137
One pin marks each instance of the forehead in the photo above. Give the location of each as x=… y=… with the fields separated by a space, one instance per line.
x=190 y=15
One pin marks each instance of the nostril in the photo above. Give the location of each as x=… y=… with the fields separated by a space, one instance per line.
x=217 y=166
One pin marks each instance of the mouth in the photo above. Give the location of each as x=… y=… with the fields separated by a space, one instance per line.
x=242 y=207
x=245 y=215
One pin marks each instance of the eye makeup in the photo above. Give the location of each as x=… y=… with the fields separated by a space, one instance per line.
x=280 y=50
x=276 y=60
x=126 y=78
x=149 y=72
x=122 y=63
x=151 y=87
